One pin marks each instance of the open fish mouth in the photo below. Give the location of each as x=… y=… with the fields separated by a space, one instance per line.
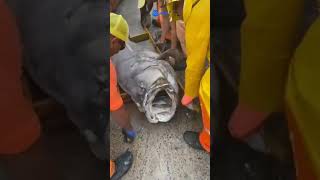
x=150 y=83
x=160 y=103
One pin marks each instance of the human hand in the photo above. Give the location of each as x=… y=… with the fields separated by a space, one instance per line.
x=187 y=101
x=245 y=121
x=174 y=53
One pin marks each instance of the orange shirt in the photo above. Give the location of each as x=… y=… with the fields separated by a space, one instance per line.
x=19 y=125
x=115 y=98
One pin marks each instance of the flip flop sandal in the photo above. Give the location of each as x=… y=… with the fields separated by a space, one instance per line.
x=127 y=137
x=123 y=164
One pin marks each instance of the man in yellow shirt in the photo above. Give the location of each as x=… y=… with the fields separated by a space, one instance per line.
x=196 y=15
x=276 y=74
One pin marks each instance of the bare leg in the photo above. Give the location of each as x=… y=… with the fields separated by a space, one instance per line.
x=181 y=35
x=173 y=35
x=121 y=117
x=164 y=20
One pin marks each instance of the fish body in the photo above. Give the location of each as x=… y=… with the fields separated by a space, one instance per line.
x=151 y=83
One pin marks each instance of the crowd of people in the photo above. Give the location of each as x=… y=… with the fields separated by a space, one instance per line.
x=179 y=22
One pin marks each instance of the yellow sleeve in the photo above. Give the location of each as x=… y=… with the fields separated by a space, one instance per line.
x=269 y=36
x=303 y=95
x=197 y=44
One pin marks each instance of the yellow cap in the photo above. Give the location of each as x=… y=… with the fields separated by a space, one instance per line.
x=141 y=3
x=119 y=27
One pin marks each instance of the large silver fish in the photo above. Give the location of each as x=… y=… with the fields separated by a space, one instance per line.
x=151 y=83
